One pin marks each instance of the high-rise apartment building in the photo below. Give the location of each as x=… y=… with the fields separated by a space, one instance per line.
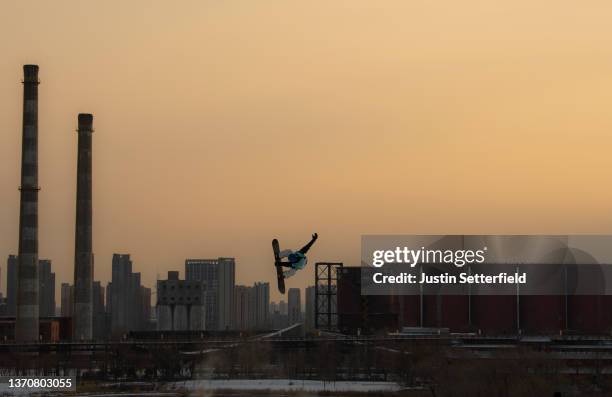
x=66 y=300
x=282 y=308
x=295 y=306
x=145 y=304
x=218 y=275
x=242 y=309
x=259 y=304
x=100 y=328
x=126 y=306
x=46 y=289
x=11 y=285
x=309 y=321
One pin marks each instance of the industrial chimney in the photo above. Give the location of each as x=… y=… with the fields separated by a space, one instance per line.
x=26 y=325
x=83 y=255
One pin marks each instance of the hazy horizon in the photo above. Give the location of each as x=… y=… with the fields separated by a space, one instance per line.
x=221 y=125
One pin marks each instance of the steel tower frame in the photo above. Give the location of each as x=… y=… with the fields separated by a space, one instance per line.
x=326 y=295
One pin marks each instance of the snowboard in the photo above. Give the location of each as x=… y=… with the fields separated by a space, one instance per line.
x=279 y=267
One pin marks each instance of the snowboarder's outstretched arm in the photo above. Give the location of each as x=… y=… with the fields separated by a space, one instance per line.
x=305 y=248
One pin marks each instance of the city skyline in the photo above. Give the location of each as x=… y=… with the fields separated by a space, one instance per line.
x=194 y=120
x=51 y=295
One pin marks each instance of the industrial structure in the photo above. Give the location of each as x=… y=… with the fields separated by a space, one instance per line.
x=180 y=304
x=326 y=302
x=26 y=327
x=83 y=254
x=359 y=313
x=493 y=315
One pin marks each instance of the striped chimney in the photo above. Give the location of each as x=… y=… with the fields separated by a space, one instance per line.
x=83 y=255
x=26 y=326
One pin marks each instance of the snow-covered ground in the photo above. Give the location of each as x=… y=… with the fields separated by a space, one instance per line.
x=284 y=385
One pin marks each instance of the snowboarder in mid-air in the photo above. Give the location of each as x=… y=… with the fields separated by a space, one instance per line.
x=296 y=260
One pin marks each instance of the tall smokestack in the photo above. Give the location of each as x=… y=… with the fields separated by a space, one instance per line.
x=83 y=255
x=26 y=327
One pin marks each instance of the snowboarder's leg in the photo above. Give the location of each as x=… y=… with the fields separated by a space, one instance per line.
x=289 y=273
x=285 y=253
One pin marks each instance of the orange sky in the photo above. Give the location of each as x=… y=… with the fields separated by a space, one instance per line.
x=223 y=124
